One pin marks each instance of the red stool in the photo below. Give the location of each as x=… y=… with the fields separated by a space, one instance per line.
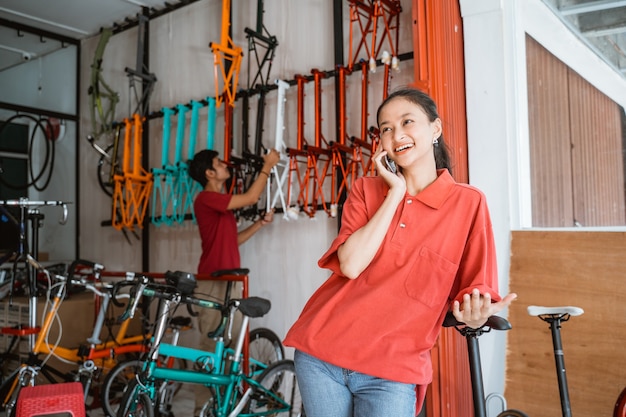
x=51 y=399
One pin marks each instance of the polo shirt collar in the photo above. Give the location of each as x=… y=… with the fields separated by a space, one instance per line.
x=436 y=193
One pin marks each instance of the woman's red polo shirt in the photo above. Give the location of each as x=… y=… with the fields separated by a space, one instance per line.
x=385 y=322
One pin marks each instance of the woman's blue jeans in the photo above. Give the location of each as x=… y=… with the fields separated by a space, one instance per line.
x=331 y=391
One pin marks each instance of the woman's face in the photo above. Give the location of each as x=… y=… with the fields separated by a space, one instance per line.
x=406 y=133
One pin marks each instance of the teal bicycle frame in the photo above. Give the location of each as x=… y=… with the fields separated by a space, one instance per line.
x=229 y=397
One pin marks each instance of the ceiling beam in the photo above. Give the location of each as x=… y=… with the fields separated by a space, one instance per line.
x=39 y=32
x=597 y=33
x=44 y=21
x=592 y=6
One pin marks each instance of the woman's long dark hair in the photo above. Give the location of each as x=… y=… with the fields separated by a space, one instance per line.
x=419 y=98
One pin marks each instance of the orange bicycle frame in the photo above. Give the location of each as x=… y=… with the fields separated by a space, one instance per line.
x=228 y=57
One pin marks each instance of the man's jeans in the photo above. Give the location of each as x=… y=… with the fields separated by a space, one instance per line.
x=330 y=391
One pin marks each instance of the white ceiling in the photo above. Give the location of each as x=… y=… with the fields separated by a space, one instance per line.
x=600 y=23
x=69 y=20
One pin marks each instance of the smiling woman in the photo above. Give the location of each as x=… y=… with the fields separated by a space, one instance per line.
x=396 y=246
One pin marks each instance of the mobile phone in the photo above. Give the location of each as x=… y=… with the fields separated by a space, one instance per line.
x=391 y=166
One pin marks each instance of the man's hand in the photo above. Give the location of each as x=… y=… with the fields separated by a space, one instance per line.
x=267 y=218
x=477 y=308
x=270 y=159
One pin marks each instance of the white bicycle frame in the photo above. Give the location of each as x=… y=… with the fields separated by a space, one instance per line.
x=280 y=170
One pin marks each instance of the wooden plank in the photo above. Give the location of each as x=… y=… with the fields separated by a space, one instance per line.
x=553 y=268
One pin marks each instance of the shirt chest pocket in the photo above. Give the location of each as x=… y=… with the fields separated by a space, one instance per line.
x=431 y=278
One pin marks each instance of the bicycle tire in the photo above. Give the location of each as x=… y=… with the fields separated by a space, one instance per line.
x=135 y=403
x=118 y=378
x=265 y=346
x=115 y=383
x=512 y=413
x=105 y=166
x=208 y=409
x=280 y=379
x=620 y=405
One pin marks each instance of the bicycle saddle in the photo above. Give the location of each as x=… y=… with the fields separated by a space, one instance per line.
x=539 y=310
x=254 y=306
x=493 y=322
x=237 y=271
x=180 y=321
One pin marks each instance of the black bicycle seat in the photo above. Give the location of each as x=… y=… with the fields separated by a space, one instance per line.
x=237 y=271
x=493 y=322
x=254 y=307
x=180 y=321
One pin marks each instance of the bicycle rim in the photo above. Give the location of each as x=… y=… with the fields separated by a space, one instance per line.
x=208 y=409
x=265 y=347
x=280 y=395
x=106 y=169
x=135 y=402
x=620 y=405
x=115 y=384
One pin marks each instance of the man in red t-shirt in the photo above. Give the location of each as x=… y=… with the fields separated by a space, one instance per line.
x=219 y=234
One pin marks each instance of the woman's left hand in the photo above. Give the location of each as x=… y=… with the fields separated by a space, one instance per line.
x=477 y=308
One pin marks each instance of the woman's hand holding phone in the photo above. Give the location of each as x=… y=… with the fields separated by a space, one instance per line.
x=390 y=165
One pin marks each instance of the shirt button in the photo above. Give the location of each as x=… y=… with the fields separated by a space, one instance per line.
x=409 y=201
x=402 y=225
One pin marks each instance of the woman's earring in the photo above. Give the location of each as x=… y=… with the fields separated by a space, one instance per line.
x=436 y=142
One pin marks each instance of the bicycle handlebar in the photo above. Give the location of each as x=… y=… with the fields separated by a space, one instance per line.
x=25 y=202
x=142 y=285
x=70 y=276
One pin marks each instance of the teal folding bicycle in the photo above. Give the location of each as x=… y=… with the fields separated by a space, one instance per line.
x=269 y=391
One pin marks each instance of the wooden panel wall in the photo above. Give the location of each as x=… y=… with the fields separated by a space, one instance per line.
x=597 y=155
x=584 y=269
x=577 y=160
x=549 y=130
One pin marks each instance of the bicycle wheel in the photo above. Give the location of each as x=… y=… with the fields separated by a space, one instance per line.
x=118 y=378
x=135 y=403
x=280 y=394
x=620 y=405
x=108 y=166
x=115 y=383
x=512 y=413
x=265 y=347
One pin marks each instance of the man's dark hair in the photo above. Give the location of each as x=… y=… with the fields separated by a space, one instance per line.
x=202 y=161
